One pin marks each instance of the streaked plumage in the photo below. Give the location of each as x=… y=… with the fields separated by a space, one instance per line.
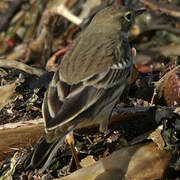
x=88 y=81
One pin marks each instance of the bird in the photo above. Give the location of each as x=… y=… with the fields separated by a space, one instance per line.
x=88 y=81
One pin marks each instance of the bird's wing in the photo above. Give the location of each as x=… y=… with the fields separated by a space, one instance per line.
x=87 y=57
x=64 y=102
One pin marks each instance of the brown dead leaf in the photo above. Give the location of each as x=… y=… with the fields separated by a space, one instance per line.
x=172 y=89
x=157 y=137
x=87 y=161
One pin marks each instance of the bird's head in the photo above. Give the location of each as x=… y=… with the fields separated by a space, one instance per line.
x=115 y=19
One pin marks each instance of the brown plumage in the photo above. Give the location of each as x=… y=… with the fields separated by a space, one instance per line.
x=88 y=81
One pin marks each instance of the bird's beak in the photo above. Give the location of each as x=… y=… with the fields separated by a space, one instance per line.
x=139 y=11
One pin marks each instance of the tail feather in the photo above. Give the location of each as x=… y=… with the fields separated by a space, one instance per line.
x=40 y=158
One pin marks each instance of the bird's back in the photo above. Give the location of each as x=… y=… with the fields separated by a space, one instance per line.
x=91 y=53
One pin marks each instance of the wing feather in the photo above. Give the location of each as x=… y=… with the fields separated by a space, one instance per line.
x=79 y=99
x=68 y=98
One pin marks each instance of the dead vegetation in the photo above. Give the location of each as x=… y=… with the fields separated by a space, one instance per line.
x=144 y=131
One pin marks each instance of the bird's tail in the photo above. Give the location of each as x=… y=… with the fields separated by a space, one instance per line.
x=42 y=154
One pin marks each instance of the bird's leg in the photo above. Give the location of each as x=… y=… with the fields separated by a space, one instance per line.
x=104 y=125
x=104 y=118
x=70 y=141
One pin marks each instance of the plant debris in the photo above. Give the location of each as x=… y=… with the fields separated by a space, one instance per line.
x=145 y=124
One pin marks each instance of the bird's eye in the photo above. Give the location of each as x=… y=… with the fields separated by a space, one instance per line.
x=128 y=16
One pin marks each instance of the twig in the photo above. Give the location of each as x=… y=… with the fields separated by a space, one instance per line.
x=166 y=8
x=63 y=11
x=20 y=66
x=152 y=99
